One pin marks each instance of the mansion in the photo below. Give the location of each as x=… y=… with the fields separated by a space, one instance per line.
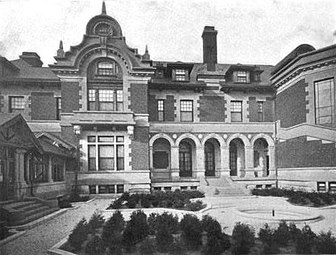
x=105 y=119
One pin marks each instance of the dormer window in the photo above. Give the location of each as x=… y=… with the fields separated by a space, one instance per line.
x=180 y=75
x=107 y=68
x=243 y=77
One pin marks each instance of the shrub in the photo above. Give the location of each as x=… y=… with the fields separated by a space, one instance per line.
x=78 y=235
x=191 y=231
x=177 y=248
x=294 y=231
x=195 y=206
x=136 y=229
x=211 y=226
x=326 y=243
x=266 y=235
x=112 y=229
x=147 y=247
x=282 y=234
x=164 y=238
x=305 y=241
x=95 y=246
x=217 y=244
x=96 y=221
x=243 y=238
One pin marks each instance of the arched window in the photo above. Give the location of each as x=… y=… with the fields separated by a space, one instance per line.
x=209 y=151
x=185 y=158
x=106 y=68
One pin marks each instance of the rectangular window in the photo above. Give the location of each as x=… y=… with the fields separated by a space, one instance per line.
x=181 y=75
x=92 y=189
x=92 y=100
x=260 y=111
x=120 y=100
x=332 y=187
x=120 y=188
x=105 y=69
x=160 y=160
x=58 y=108
x=236 y=111
x=102 y=189
x=242 y=77
x=106 y=153
x=186 y=109
x=16 y=104
x=160 y=107
x=324 y=102
x=106 y=99
x=321 y=186
x=57 y=174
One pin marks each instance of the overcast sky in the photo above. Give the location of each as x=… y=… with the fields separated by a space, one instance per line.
x=249 y=32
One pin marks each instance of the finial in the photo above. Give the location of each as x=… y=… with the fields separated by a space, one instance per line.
x=103 y=8
x=146 y=50
x=61 y=45
x=146 y=56
x=60 y=51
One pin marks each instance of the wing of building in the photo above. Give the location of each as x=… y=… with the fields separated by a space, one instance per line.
x=107 y=119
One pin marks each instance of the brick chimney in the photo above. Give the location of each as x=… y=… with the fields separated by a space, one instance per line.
x=32 y=58
x=209 y=36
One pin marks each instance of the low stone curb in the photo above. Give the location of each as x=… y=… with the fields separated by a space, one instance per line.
x=39 y=221
x=12 y=237
x=55 y=250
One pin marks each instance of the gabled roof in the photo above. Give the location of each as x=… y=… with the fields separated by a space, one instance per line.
x=50 y=147
x=27 y=72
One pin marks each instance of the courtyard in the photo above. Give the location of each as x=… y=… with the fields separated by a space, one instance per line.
x=253 y=210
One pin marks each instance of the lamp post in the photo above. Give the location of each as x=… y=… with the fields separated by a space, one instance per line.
x=77 y=131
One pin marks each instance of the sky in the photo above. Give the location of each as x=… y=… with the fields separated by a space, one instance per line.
x=249 y=32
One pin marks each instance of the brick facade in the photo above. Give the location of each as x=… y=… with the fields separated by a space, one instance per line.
x=212 y=109
x=299 y=152
x=139 y=98
x=169 y=110
x=70 y=96
x=152 y=108
x=43 y=106
x=291 y=105
x=140 y=149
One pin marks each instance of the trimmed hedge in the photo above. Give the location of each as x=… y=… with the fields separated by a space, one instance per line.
x=299 y=197
x=168 y=199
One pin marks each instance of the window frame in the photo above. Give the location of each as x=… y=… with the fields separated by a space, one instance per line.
x=118 y=152
x=160 y=109
x=233 y=109
x=180 y=74
x=94 y=99
x=58 y=107
x=185 y=109
x=242 y=76
x=260 y=111
x=20 y=106
x=318 y=101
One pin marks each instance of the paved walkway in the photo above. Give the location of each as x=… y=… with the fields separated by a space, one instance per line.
x=38 y=240
x=41 y=238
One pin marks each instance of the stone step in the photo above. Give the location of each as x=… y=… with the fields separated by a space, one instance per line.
x=36 y=210
x=20 y=205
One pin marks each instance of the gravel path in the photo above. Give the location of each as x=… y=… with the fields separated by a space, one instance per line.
x=38 y=240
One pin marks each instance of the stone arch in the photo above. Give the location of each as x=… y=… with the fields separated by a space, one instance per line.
x=219 y=138
x=84 y=58
x=161 y=135
x=268 y=139
x=190 y=136
x=241 y=136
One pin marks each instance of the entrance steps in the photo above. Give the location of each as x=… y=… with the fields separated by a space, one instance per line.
x=17 y=213
x=222 y=187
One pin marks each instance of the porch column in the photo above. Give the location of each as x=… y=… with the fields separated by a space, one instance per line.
x=249 y=169
x=64 y=167
x=225 y=161
x=200 y=167
x=174 y=162
x=151 y=160
x=271 y=151
x=20 y=184
x=50 y=179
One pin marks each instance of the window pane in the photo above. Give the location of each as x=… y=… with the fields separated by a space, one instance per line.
x=91 y=139
x=186 y=110
x=160 y=159
x=186 y=116
x=106 y=95
x=106 y=139
x=106 y=161
x=106 y=151
x=324 y=102
x=120 y=188
x=106 y=106
x=110 y=189
x=236 y=117
x=92 y=151
x=106 y=164
x=120 y=139
x=92 y=189
x=16 y=104
x=120 y=151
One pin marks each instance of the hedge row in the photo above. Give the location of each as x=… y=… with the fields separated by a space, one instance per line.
x=299 y=197
x=168 y=199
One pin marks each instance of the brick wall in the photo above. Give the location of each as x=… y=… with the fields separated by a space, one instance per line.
x=68 y=134
x=253 y=109
x=169 y=110
x=70 y=96
x=140 y=150
x=290 y=105
x=299 y=152
x=43 y=106
x=139 y=98
x=268 y=109
x=212 y=109
x=152 y=108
